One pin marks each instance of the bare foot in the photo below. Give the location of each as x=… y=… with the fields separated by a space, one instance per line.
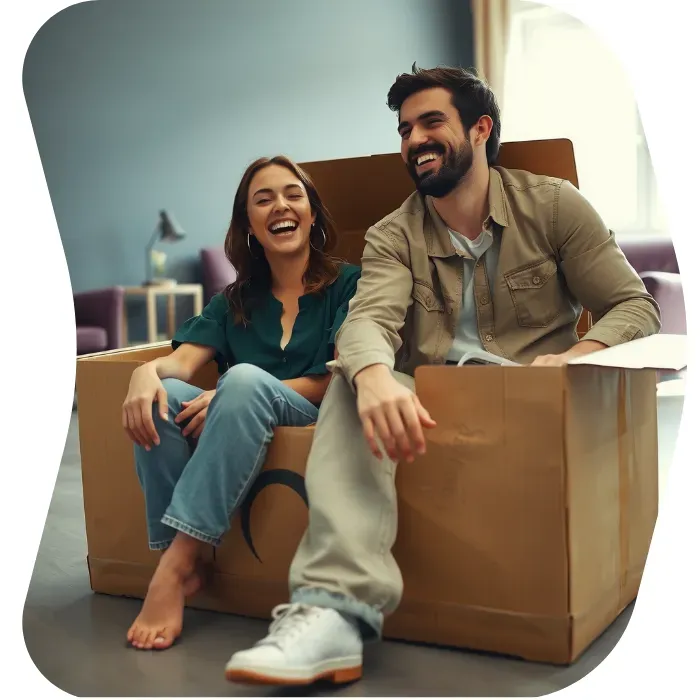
x=159 y=623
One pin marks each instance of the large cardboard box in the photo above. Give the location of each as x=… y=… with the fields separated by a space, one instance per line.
x=525 y=528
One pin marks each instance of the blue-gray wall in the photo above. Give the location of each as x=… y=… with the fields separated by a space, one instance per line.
x=139 y=105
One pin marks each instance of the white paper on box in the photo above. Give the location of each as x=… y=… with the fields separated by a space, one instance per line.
x=661 y=351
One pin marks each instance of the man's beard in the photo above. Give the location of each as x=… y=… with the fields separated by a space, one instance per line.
x=455 y=165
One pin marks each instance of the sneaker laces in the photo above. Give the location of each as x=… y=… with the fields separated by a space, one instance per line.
x=288 y=621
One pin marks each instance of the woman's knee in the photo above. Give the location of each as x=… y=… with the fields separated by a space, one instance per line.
x=244 y=380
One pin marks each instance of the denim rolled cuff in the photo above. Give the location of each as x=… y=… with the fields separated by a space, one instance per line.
x=370 y=619
x=191 y=531
x=160 y=545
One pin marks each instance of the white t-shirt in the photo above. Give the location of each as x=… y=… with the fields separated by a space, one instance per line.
x=467 y=333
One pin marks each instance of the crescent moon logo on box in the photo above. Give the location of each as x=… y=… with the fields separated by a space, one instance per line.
x=282 y=477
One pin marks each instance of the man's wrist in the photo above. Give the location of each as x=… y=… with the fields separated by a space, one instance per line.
x=369 y=373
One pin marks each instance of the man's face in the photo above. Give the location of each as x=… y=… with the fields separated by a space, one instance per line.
x=434 y=147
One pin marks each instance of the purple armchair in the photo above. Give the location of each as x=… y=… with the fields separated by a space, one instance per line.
x=217 y=272
x=666 y=288
x=98 y=319
x=649 y=253
x=654 y=259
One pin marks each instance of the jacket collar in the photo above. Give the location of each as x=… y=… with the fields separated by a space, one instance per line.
x=437 y=235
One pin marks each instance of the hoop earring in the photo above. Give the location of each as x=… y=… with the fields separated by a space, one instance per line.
x=323 y=245
x=250 y=250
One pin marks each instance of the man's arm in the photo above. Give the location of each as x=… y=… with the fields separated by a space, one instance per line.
x=377 y=313
x=599 y=275
x=366 y=347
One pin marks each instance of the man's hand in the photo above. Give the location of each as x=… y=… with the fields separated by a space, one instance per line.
x=196 y=410
x=392 y=412
x=551 y=360
x=583 y=348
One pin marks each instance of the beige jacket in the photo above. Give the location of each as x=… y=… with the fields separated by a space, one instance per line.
x=556 y=258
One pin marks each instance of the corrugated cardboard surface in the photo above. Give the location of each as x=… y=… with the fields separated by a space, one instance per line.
x=482 y=529
x=612 y=491
x=115 y=521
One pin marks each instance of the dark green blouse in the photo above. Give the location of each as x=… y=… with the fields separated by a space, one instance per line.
x=310 y=347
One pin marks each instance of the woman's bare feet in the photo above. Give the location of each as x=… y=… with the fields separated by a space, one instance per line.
x=159 y=623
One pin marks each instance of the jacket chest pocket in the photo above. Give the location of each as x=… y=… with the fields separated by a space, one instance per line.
x=427 y=326
x=537 y=295
x=427 y=301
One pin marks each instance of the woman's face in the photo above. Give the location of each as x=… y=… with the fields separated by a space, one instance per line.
x=279 y=211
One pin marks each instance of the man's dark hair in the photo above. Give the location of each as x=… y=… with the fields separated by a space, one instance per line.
x=471 y=97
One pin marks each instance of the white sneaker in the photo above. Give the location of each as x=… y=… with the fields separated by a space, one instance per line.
x=305 y=644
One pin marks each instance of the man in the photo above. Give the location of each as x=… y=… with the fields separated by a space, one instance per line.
x=479 y=257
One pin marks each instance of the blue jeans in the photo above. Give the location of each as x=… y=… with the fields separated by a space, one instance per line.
x=195 y=487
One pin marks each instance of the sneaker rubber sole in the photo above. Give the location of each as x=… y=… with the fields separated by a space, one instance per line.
x=337 y=676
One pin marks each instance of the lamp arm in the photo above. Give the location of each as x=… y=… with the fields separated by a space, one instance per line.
x=149 y=248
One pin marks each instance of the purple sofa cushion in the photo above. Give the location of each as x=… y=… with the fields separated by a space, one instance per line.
x=217 y=271
x=91 y=339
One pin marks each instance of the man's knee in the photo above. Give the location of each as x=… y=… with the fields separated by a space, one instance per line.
x=339 y=404
x=338 y=388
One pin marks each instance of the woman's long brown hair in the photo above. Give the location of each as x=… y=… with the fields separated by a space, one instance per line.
x=253 y=276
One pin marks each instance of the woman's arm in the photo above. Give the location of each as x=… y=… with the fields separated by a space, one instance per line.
x=183 y=362
x=146 y=387
x=313 y=389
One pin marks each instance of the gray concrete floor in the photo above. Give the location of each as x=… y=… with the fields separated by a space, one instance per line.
x=77 y=638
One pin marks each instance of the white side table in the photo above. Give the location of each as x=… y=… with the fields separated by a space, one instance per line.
x=151 y=293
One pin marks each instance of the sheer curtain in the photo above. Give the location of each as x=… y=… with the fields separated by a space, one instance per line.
x=492 y=25
x=562 y=81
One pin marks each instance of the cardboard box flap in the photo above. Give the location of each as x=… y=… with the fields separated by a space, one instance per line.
x=659 y=352
x=104 y=354
x=361 y=191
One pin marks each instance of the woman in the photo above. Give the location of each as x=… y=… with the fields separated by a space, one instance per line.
x=271 y=333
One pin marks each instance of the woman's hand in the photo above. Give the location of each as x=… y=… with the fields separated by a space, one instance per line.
x=145 y=387
x=196 y=410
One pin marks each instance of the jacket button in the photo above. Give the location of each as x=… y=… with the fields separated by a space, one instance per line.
x=536 y=280
x=484 y=300
x=488 y=338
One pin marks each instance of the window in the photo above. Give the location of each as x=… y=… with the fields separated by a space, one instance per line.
x=563 y=82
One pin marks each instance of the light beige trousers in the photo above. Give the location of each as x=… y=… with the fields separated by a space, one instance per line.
x=344 y=560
